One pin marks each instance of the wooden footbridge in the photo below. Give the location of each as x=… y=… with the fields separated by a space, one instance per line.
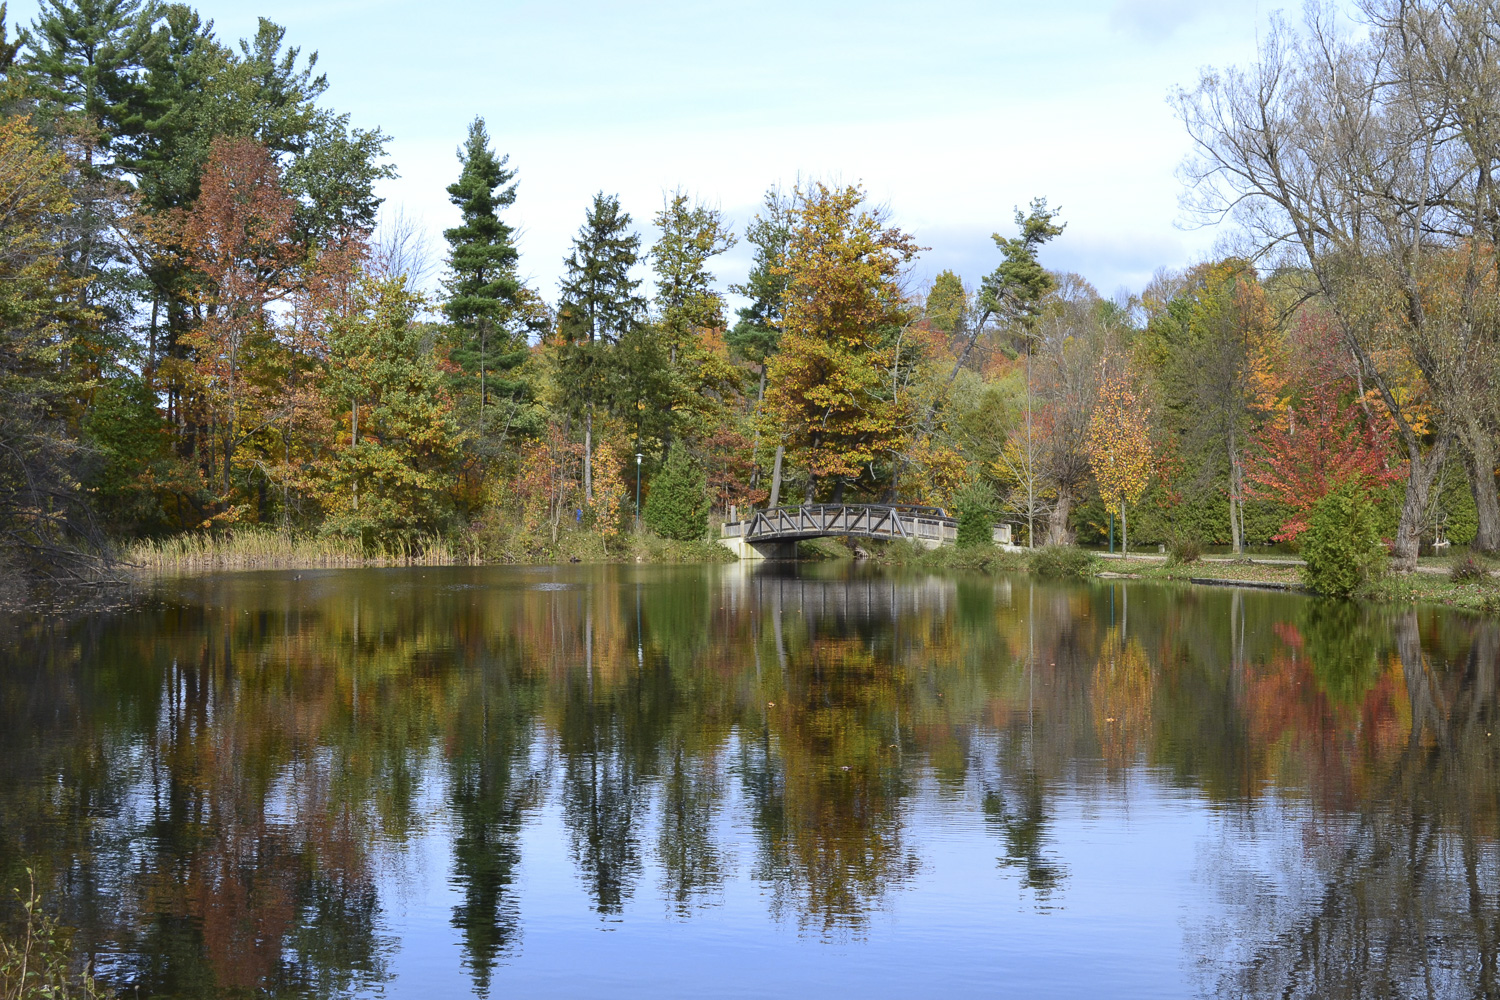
x=774 y=533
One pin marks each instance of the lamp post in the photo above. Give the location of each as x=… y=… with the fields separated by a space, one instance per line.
x=638 y=491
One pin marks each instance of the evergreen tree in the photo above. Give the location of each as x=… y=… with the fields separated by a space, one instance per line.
x=1015 y=290
x=757 y=334
x=691 y=235
x=192 y=90
x=975 y=505
x=82 y=60
x=599 y=301
x=483 y=290
x=947 y=304
x=599 y=306
x=677 y=506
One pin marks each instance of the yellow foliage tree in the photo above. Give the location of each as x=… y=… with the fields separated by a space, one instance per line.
x=1119 y=446
x=609 y=491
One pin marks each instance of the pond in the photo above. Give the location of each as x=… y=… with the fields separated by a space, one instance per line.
x=648 y=781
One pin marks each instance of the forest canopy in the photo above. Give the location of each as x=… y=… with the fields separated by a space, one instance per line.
x=204 y=330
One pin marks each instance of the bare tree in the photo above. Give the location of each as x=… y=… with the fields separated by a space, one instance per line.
x=1367 y=165
x=402 y=249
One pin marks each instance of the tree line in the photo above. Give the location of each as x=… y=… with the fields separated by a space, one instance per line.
x=205 y=329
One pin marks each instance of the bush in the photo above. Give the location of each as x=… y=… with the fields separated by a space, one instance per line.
x=677 y=506
x=1469 y=570
x=1063 y=562
x=1184 y=551
x=1342 y=544
x=975 y=505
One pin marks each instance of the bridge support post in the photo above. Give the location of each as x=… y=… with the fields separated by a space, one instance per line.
x=750 y=551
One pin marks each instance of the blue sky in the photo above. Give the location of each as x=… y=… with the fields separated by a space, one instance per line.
x=949 y=113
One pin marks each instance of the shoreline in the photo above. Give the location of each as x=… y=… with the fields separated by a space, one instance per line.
x=191 y=556
x=1430 y=585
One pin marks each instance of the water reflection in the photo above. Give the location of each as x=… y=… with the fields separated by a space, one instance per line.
x=221 y=789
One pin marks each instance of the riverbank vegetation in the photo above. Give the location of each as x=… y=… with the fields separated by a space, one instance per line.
x=216 y=353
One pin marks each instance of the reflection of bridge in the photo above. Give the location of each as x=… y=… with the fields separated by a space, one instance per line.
x=774 y=533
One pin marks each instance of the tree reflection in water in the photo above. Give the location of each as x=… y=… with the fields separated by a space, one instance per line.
x=216 y=789
x=1401 y=889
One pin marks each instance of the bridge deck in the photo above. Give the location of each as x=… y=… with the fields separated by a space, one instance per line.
x=929 y=526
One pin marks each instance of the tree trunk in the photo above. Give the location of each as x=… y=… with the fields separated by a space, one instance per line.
x=588 y=455
x=1414 y=509
x=760 y=398
x=1236 y=499
x=1479 y=462
x=1057 y=521
x=1124 y=534
x=1030 y=463
x=776 y=476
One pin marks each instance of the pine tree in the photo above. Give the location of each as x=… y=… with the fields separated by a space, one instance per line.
x=1015 y=289
x=83 y=57
x=677 y=506
x=599 y=306
x=599 y=297
x=691 y=235
x=757 y=335
x=975 y=504
x=947 y=304
x=483 y=289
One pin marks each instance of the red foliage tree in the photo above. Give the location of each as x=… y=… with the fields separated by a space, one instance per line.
x=1324 y=443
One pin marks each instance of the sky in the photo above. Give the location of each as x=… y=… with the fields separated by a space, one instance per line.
x=950 y=114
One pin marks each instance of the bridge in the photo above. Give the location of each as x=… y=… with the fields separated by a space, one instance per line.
x=774 y=533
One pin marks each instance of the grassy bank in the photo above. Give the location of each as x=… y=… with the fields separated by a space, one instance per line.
x=255 y=548
x=1481 y=596
x=265 y=549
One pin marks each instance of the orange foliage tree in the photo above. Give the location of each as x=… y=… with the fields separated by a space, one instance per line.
x=831 y=389
x=238 y=240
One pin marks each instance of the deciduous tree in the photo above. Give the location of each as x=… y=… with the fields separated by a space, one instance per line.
x=391 y=481
x=830 y=387
x=1119 y=445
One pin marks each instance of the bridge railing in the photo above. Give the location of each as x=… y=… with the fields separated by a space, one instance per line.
x=880 y=520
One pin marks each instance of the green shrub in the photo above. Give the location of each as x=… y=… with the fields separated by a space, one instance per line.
x=975 y=505
x=1063 y=562
x=1469 y=570
x=1342 y=544
x=1184 y=551
x=677 y=506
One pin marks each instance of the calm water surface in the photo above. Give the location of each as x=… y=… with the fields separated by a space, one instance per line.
x=717 y=782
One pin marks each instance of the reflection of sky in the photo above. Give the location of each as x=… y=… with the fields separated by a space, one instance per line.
x=952 y=113
x=963 y=926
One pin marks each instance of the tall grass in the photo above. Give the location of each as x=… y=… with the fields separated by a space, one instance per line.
x=262 y=548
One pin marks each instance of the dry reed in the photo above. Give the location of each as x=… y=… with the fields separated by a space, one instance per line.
x=268 y=549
